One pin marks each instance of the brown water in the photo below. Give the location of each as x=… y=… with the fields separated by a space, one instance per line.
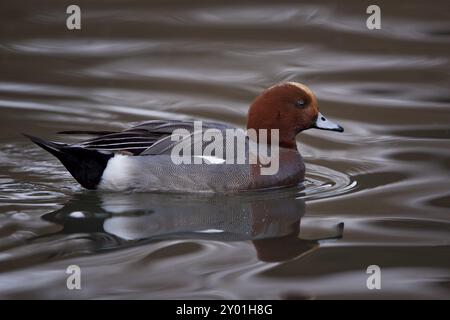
x=377 y=194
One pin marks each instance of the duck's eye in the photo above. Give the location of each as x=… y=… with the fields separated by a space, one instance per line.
x=300 y=103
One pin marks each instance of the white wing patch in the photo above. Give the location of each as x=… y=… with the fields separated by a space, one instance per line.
x=211 y=159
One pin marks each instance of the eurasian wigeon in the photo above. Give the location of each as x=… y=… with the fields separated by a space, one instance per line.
x=140 y=158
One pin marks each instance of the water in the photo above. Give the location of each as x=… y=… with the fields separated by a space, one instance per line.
x=377 y=194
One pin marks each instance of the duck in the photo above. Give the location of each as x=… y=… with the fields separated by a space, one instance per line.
x=141 y=158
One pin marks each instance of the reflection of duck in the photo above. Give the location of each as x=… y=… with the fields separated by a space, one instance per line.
x=271 y=221
x=142 y=158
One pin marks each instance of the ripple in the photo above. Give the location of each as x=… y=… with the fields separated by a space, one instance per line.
x=85 y=48
x=322 y=182
x=376 y=194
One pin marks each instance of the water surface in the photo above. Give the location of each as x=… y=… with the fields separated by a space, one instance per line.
x=377 y=194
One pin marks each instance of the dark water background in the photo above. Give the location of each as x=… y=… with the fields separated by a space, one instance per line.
x=377 y=194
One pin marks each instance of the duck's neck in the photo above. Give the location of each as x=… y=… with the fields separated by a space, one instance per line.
x=271 y=120
x=266 y=135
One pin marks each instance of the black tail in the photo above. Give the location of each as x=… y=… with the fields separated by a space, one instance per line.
x=86 y=166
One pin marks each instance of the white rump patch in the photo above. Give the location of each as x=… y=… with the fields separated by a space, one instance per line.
x=117 y=173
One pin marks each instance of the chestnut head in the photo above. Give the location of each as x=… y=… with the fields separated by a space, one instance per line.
x=290 y=107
